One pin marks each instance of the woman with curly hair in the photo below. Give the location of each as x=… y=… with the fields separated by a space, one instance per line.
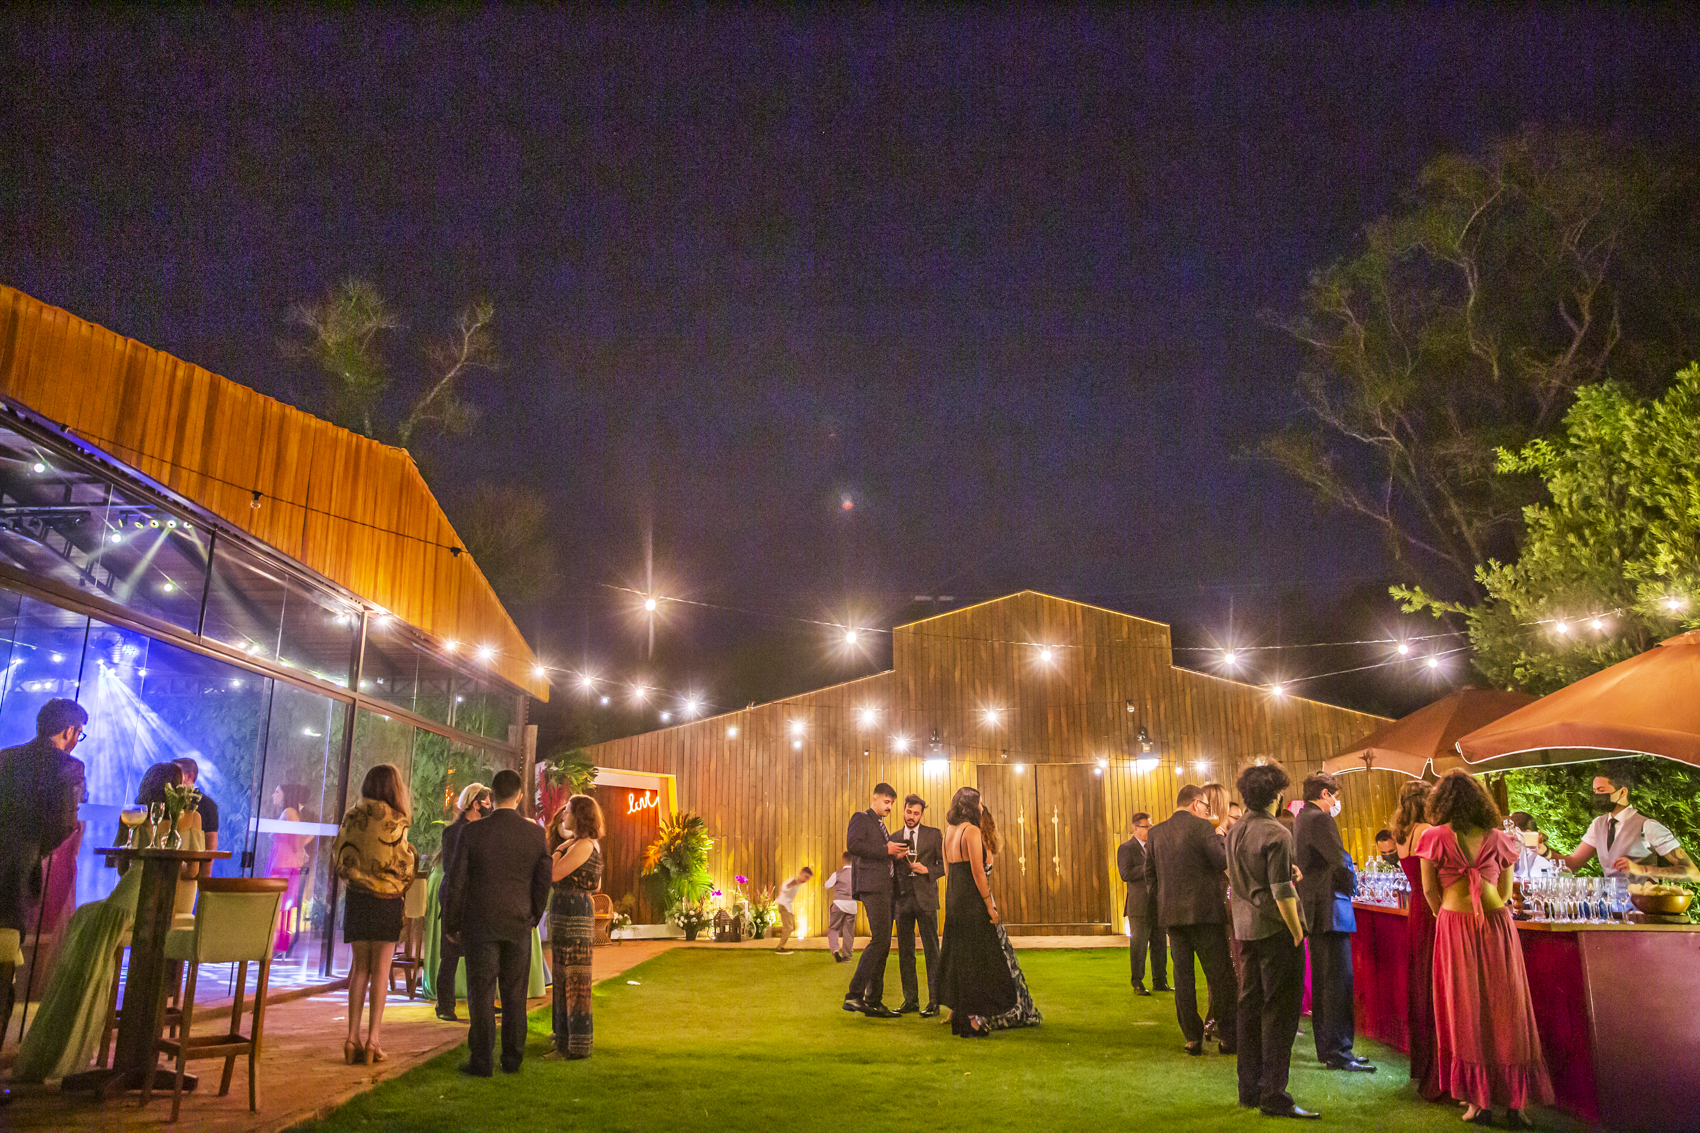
x=1488 y=1050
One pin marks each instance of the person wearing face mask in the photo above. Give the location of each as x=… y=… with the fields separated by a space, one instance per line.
x=1328 y=880
x=442 y=957
x=1184 y=862
x=1627 y=842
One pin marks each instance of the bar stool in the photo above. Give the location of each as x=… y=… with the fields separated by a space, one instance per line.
x=235 y=923
x=173 y=1004
x=410 y=960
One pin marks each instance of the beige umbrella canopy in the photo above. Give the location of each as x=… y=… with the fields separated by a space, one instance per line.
x=1408 y=745
x=1649 y=703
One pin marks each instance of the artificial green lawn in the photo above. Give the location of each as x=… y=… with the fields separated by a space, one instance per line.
x=743 y=1040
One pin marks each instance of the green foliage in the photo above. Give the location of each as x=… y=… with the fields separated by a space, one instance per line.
x=1619 y=538
x=676 y=863
x=1464 y=324
x=508 y=532
x=1558 y=798
x=571 y=768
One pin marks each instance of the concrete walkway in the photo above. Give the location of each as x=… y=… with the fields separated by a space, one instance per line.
x=302 y=1075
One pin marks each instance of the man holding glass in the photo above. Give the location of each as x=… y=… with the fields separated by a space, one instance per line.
x=41 y=786
x=918 y=905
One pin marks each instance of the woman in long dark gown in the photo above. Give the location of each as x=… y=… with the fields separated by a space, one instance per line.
x=1023 y=1014
x=1407 y=827
x=977 y=980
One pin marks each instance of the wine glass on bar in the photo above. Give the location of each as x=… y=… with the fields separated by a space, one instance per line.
x=132 y=817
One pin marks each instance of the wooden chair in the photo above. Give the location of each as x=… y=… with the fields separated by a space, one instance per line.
x=235 y=923
x=604 y=904
x=409 y=959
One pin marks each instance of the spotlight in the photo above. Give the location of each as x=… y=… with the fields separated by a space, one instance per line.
x=796 y=745
x=116 y=537
x=38 y=468
x=1020 y=768
x=731 y=731
x=168 y=586
x=171 y=523
x=605 y=700
x=666 y=716
x=153 y=523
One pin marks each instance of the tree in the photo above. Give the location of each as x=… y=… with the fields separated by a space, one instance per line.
x=344 y=343
x=506 y=529
x=1465 y=323
x=1610 y=564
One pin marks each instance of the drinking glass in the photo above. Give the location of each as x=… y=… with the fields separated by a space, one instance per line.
x=132 y=817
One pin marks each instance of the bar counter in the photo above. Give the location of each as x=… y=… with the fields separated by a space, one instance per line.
x=1615 y=1004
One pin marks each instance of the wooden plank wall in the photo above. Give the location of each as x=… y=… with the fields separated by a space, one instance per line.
x=772 y=807
x=375 y=527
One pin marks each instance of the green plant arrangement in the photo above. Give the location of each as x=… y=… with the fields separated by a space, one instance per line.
x=179 y=800
x=570 y=768
x=676 y=863
x=762 y=911
x=691 y=916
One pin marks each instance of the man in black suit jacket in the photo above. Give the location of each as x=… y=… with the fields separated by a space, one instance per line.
x=873 y=856
x=1141 y=911
x=474 y=802
x=918 y=904
x=1326 y=884
x=1185 y=861
x=494 y=895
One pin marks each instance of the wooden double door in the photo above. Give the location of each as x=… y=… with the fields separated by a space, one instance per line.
x=1052 y=864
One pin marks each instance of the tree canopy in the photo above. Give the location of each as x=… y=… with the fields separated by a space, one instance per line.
x=1465 y=323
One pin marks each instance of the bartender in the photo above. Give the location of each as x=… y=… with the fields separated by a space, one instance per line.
x=1627 y=842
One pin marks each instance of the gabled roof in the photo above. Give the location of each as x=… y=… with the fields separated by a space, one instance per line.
x=350 y=508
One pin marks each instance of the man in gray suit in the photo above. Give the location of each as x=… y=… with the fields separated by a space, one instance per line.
x=918 y=904
x=1141 y=911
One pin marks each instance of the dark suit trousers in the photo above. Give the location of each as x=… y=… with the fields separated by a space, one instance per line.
x=493 y=964
x=1209 y=943
x=1144 y=936
x=448 y=963
x=1272 y=989
x=1332 y=1019
x=909 y=916
x=868 y=984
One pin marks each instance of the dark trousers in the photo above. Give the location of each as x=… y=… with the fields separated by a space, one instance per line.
x=1144 y=936
x=448 y=962
x=1209 y=943
x=868 y=984
x=910 y=915
x=1332 y=1020
x=1272 y=991
x=493 y=964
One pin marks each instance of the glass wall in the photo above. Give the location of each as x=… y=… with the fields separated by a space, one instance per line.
x=259 y=609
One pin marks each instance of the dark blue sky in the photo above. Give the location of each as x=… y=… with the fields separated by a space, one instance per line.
x=996 y=277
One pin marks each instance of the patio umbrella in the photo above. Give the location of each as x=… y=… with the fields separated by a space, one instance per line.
x=1649 y=703
x=1409 y=744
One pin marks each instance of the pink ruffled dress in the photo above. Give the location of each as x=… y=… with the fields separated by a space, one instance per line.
x=1487 y=1048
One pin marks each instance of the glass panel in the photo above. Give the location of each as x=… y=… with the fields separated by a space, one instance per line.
x=262 y=610
x=150 y=702
x=391 y=667
x=483 y=707
x=298 y=803
x=377 y=739
x=43 y=651
x=441 y=770
x=60 y=523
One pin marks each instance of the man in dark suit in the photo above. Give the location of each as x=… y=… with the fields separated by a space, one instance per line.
x=1141 y=911
x=918 y=904
x=1326 y=884
x=41 y=786
x=1185 y=862
x=873 y=857
x=474 y=804
x=494 y=895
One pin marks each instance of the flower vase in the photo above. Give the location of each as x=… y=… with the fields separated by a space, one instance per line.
x=691 y=931
x=173 y=838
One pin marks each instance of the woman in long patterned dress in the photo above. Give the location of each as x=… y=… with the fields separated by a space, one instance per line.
x=574 y=842
x=1024 y=1013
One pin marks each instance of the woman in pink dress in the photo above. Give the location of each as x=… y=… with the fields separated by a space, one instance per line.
x=1487 y=1047
x=288 y=857
x=1408 y=826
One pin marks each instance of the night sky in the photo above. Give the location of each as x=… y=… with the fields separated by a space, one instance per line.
x=995 y=278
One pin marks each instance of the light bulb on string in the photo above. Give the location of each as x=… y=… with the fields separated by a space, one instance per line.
x=1404 y=649
x=1434 y=662
x=1045 y=655
x=650 y=604
x=850 y=637
x=1597 y=625
x=1560 y=628
x=1673 y=603
x=1230 y=658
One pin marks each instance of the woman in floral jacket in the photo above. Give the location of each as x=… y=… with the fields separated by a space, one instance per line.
x=375 y=861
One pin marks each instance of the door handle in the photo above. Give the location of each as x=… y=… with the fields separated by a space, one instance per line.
x=1021 y=821
x=1056 y=842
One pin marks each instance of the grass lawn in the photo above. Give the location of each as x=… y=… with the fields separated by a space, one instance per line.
x=754 y=1042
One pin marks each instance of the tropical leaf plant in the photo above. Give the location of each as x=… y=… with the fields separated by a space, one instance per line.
x=676 y=863
x=571 y=768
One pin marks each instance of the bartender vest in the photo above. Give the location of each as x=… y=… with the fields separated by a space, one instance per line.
x=1628 y=833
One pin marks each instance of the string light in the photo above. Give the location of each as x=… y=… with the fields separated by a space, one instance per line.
x=38 y=468
x=1673 y=603
x=690 y=708
x=993 y=716
x=587 y=682
x=485 y=654
x=1434 y=662
x=1597 y=624
x=605 y=701
x=796 y=727
x=731 y=731
x=1230 y=658
x=1404 y=649
x=666 y=716
x=650 y=604
x=865 y=716
x=1276 y=691
x=900 y=743
x=850 y=637
x=1045 y=655
x=539 y=673
x=1560 y=628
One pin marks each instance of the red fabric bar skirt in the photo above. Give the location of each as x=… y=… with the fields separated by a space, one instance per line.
x=1488 y=1049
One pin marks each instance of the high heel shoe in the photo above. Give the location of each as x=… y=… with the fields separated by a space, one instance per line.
x=374 y=1055
x=352 y=1053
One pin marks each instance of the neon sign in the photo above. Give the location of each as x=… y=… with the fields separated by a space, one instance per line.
x=645 y=801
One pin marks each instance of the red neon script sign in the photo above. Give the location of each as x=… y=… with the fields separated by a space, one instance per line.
x=645 y=801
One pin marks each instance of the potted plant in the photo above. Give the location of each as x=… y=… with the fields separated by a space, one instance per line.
x=676 y=863
x=691 y=916
x=762 y=912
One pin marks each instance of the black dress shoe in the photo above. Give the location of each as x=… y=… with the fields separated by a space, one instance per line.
x=930 y=1011
x=1139 y=989
x=448 y=1016
x=1291 y=1111
x=1356 y=1066
x=472 y=1071
x=1161 y=987
x=510 y=1069
x=878 y=1011
x=1194 y=1049
x=908 y=1007
x=851 y=1003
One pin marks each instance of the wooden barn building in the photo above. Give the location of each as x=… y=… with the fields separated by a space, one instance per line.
x=1069 y=718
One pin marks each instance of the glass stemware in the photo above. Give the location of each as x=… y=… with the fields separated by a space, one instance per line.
x=132 y=817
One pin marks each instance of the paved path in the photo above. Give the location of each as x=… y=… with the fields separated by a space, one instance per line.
x=302 y=1075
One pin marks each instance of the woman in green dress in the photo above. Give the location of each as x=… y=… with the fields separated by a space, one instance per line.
x=72 y=1015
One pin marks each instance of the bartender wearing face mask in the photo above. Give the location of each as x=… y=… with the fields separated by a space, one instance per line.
x=1627 y=842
